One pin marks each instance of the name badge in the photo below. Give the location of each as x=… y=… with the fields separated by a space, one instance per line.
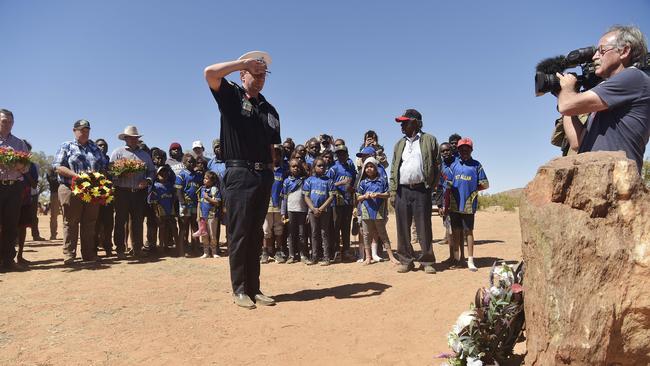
x=246 y=107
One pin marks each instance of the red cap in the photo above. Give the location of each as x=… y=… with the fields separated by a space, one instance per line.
x=409 y=115
x=465 y=141
x=174 y=145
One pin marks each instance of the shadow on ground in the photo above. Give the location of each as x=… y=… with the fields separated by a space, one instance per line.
x=348 y=291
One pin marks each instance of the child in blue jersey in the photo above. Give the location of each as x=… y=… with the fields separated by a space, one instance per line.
x=161 y=199
x=187 y=185
x=461 y=198
x=343 y=174
x=373 y=195
x=273 y=228
x=294 y=210
x=209 y=198
x=447 y=161
x=319 y=192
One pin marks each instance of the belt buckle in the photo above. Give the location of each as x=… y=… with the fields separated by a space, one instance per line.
x=7 y=182
x=258 y=166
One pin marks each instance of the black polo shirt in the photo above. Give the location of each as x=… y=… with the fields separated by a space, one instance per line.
x=248 y=126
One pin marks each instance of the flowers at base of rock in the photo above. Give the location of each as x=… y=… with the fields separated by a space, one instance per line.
x=126 y=166
x=92 y=187
x=487 y=333
x=14 y=158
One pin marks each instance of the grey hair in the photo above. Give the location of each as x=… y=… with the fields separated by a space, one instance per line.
x=630 y=36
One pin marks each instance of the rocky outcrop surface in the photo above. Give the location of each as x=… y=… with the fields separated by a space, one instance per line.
x=585 y=223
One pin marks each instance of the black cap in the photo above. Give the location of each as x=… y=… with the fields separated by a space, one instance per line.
x=408 y=115
x=82 y=123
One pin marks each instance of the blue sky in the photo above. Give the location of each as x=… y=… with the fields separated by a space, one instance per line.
x=340 y=67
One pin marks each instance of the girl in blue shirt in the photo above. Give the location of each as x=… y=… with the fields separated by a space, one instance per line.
x=373 y=193
x=209 y=198
x=294 y=210
x=319 y=192
x=161 y=198
x=187 y=185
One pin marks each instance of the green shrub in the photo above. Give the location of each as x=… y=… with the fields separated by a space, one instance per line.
x=507 y=201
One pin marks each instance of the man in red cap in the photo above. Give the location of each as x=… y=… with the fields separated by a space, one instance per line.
x=466 y=179
x=414 y=173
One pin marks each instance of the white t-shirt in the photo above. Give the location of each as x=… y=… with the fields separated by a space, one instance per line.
x=411 y=170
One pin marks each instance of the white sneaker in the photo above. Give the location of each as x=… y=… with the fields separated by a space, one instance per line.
x=377 y=258
x=204 y=255
x=216 y=256
x=470 y=264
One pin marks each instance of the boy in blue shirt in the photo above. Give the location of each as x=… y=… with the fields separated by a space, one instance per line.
x=274 y=239
x=319 y=192
x=209 y=198
x=187 y=185
x=461 y=198
x=161 y=199
x=343 y=173
x=373 y=194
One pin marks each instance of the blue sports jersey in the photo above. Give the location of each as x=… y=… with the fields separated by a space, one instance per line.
x=374 y=208
x=276 y=189
x=189 y=183
x=318 y=189
x=163 y=195
x=465 y=178
x=337 y=173
x=445 y=175
x=207 y=209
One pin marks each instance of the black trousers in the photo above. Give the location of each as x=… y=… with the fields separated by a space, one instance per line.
x=297 y=233
x=129 y=204
x=414 y=204
x=247 y=193
x=342 y=225
x=104 y=227
x=10 y=202
x=152 y=225
x=320 y=234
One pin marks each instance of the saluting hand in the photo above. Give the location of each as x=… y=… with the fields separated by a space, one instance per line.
x=255 y=67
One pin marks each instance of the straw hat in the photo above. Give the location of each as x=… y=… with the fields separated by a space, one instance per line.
x=257 y=55
x=129 y=131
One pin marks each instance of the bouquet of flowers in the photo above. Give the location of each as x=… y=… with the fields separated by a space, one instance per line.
x=11 y=158
x=486 y=334
x=126 y=166
x=93 y=187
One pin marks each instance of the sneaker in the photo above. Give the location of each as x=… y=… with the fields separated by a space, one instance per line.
x=53 y=237
x=428 y=269
x=470 y=264
x=204 y=256
x=377 y=258
x=121 y=255
x=216 y=256
x=279 y=258
x=325 y=262
x=291 y=260
x=264 y=259
x=68 y=261
x=39 y=238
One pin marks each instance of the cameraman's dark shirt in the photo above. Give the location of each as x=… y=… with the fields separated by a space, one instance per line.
x=248 y=126
x=625 y=125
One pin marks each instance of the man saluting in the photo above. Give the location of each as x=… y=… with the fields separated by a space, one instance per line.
x=250 y=126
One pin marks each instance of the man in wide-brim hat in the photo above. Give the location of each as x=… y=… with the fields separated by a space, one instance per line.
x=131 y=192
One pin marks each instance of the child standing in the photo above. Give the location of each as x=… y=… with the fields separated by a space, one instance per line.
x=319 y=192
x=373 y=193
x=187 y=184
x=273 y=227
x=209 y=197
x=294 y=209
x=161 y=199
x=461 y=198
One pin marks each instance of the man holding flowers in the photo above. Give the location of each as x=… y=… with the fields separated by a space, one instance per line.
x=73 y=159
x=133 y=172
x=12 y=157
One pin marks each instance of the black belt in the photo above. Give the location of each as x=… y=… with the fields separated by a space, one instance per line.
x=414 y=185
x=252 y=165
x=133 y=190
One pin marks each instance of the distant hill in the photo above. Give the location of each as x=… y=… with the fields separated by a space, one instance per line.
x=517 y=192
x=508 y=200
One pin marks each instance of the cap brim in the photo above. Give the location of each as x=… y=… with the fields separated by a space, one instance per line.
x=256 y=55
x=402 y=119
x=122 y=136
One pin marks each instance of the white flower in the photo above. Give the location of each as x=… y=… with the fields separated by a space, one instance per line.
x=503 y=275
x=474 y=362
x=495 y=291
x=454 y=342
x=465 y=318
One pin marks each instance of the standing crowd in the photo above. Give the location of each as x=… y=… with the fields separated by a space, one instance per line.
x=320 y=198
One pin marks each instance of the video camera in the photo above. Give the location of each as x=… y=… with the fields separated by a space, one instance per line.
x=546 y=81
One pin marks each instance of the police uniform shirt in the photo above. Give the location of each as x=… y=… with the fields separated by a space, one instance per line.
x=248 y=126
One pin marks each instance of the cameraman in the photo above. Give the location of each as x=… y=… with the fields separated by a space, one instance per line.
x=619 y=106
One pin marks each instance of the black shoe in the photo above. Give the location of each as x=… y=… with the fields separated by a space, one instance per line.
x=11 y=266
x=244 y=301
x=279 y=258
x=264 y=259
x=264 y=300
x=38 y=238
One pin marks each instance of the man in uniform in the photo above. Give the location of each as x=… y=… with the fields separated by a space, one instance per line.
x=250 y=126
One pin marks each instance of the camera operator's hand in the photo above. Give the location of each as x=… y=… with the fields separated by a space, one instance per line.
x=567 y=81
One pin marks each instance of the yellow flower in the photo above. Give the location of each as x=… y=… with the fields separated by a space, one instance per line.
x=85 y=184
x=95 y=192
x=86 y=197
x=109 y=199
x=76 y=190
